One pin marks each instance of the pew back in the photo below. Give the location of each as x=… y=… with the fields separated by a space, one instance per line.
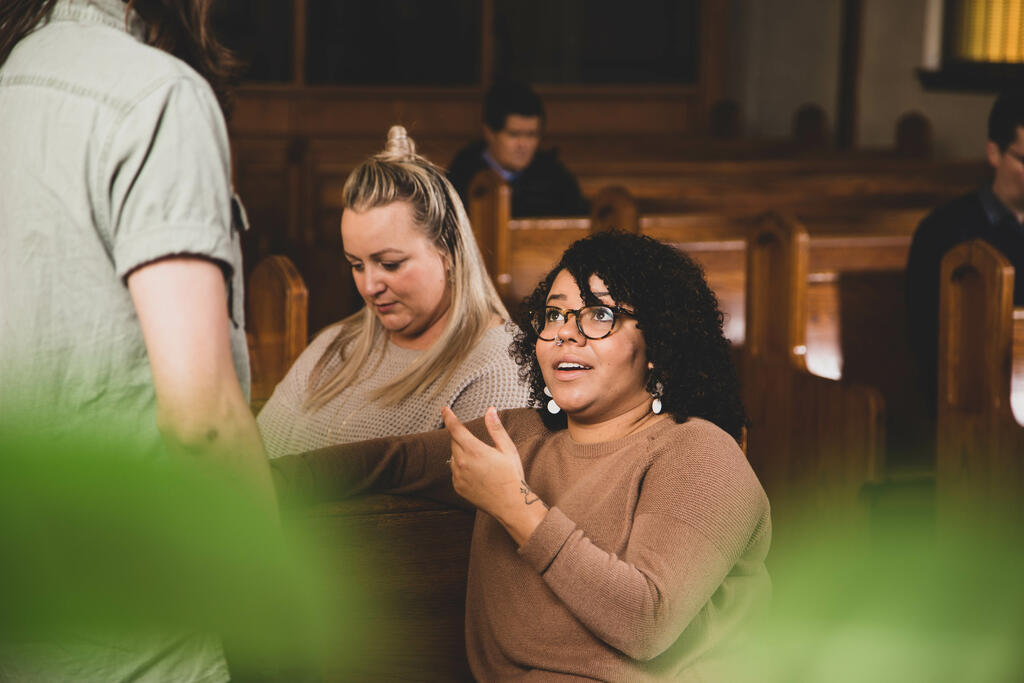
x=276 y=303
x=409 y=559
x=980 y=442
x=816 y=443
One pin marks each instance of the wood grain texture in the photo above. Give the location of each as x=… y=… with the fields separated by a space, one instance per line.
x=816 y=443
x=276 y=307
x=980 y=455
x=408 y=560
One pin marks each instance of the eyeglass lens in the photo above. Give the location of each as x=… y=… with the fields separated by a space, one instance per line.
x=594 y=322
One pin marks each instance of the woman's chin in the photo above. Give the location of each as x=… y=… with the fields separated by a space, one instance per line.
x=577 y=410
x=393 y=323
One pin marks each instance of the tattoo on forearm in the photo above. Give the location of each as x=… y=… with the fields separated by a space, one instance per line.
x=529 y=497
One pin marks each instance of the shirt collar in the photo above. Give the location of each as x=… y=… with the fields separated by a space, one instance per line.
x=112 y=13
x=508 y=175
x=995 y=210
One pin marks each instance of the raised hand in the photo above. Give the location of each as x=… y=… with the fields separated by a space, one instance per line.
x=491 y=477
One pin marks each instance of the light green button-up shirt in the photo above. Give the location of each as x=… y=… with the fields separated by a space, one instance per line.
x=112 y=154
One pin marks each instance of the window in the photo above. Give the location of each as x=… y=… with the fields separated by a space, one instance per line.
x=464 y=42
x=393 y=42
x=982 y=45
x=987 y=31
x=596 y=41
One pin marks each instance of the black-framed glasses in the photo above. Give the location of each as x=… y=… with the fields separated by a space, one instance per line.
x=593 y=322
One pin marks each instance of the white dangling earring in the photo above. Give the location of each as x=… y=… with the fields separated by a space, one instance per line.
x=656 y=394
x=553 y=407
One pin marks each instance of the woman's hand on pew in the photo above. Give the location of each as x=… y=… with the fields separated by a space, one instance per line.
x=492 y=478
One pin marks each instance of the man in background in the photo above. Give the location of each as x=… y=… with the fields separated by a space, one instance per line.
x=513 y=120
x=994 y=213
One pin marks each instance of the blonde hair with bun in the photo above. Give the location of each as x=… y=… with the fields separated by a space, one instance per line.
x=398 y=174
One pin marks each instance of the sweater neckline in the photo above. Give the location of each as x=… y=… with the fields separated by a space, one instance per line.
x=603 y=448
x=394 y=349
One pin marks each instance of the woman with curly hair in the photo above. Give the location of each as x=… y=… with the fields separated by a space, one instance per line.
x=620 y=533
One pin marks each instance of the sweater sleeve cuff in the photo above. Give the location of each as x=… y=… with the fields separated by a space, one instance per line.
x=547 y=540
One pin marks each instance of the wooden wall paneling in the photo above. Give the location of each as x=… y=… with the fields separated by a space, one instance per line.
x=299 y=42
x=486 y=43
x=851 y=33
x=714 y=47
x=335 y=295
x=572 y=111
x=263 y=179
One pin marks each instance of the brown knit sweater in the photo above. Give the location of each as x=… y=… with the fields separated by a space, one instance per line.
x=647 y=566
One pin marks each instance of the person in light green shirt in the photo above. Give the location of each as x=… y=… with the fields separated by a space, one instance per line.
x=121 y=303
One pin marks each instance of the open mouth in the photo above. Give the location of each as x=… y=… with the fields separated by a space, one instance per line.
x=567 y=369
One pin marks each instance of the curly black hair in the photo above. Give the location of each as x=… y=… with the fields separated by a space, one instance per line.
x=676 y=312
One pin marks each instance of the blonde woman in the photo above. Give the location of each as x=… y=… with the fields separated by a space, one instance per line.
x=433 y=332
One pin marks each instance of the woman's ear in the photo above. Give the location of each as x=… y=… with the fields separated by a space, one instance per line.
x=650 y=365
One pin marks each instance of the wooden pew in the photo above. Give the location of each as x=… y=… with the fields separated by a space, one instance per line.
x=841 y=243
x=787 y=184
x=816 y=443
x=407 y=558
x=276 y=326
x=855 y=310
x=294 y=184
x=981 y=363
x=614 y=206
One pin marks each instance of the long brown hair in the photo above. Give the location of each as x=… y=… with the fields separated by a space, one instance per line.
x=17 y=18
x=178 y=27
x=182 y=28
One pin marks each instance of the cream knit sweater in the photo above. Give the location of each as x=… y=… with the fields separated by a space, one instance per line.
x=488 y=377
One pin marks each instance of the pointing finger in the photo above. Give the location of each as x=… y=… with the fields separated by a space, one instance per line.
x=497 y=430
x=458 y=431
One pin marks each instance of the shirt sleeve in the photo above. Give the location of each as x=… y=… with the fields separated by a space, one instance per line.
x=692 y=525
x=168 y=178
x=414 y=465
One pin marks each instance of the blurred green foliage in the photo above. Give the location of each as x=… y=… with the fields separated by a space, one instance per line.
x=96 y=539
x=913 y=600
